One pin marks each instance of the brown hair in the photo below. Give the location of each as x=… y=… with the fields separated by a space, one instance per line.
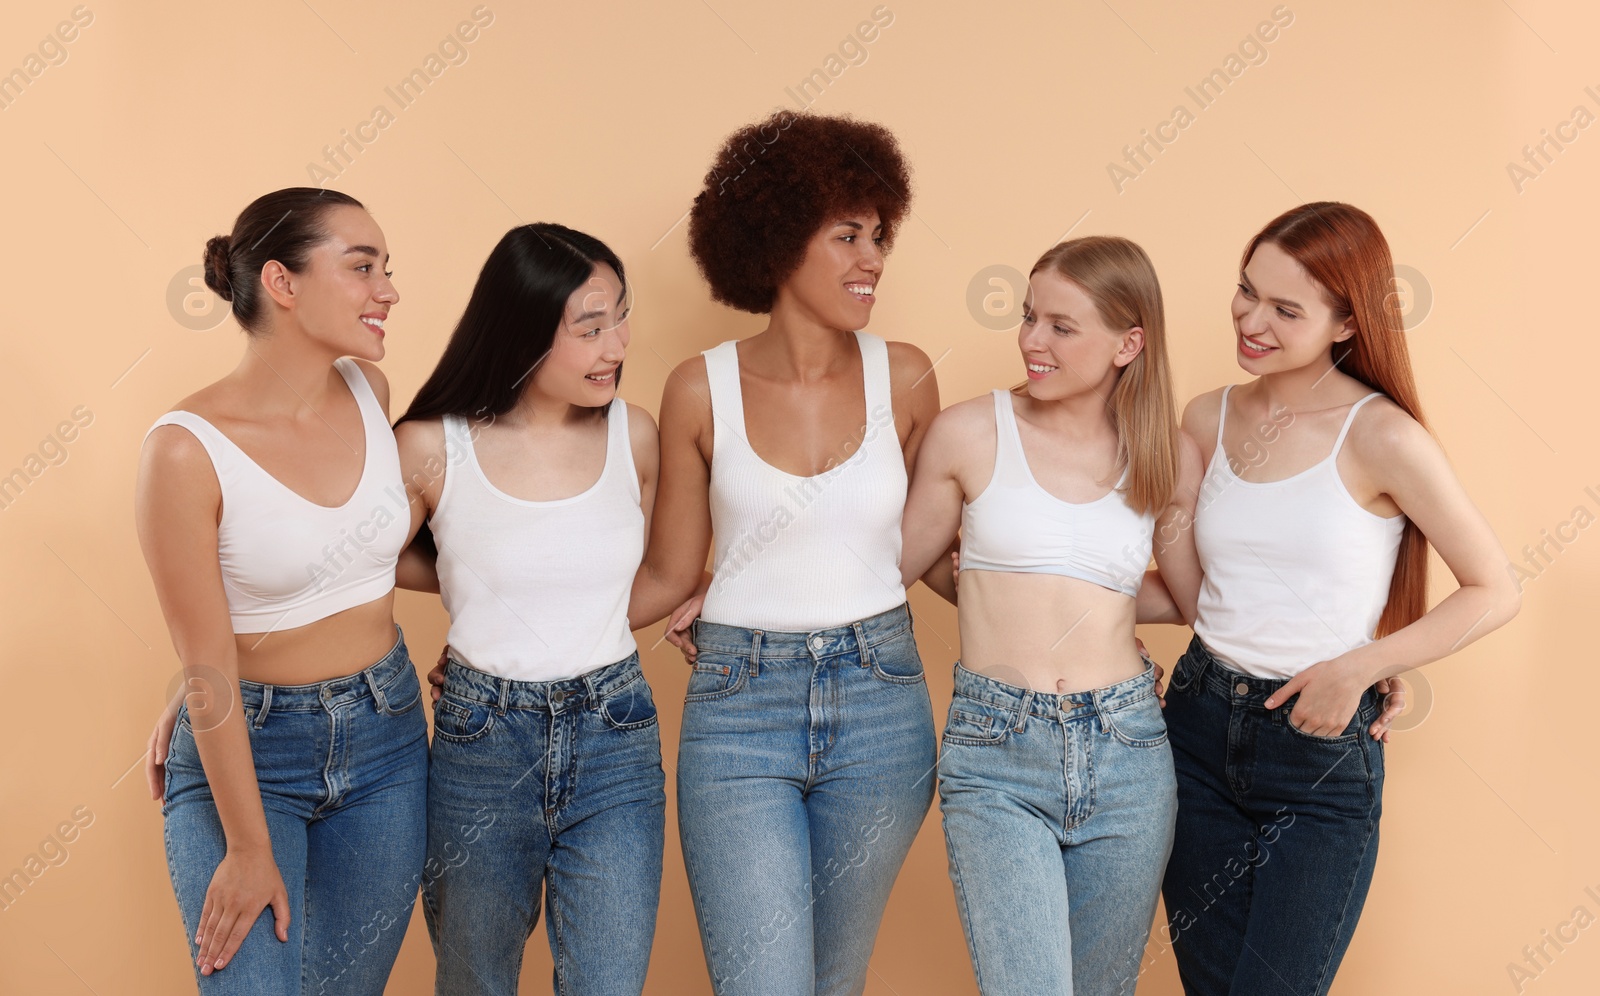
x=1343 y=250
x=1121 y=281
x=284 y=225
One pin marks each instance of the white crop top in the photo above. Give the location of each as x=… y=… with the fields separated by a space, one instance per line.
x=1017 y=526
x=538 y=590
x=287 y=561
x=795 y=554
x=1296 y=572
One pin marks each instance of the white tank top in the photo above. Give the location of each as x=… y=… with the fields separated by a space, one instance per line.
x=288 y=562
x=794 y=554
x=1296 y=572
x=1017 y=526
x=538 y=590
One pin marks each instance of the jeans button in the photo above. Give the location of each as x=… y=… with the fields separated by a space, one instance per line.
x=1241 y=688
x=817 y=642
x=557 y=697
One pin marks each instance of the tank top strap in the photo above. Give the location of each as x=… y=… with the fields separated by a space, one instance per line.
x=1010 y=465
x=1350 y=419
x=373 y=420
x=875 y=377
x=727 y=398
x=619 y=448
x=1222 y=416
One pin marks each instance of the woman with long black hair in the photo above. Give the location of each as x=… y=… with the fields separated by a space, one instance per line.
x=538 y=483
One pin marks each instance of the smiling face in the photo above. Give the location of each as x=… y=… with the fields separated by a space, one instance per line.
x=1066 y=345
x=837 y=281
x=342 y=296
x=587 y=352
x=1281 y=316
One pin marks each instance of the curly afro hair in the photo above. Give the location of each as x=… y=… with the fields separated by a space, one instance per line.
x=773 y=184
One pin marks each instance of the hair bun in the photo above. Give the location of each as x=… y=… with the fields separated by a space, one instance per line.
x=218 y=269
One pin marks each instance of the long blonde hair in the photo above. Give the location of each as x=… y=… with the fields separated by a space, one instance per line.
x=1119 y=278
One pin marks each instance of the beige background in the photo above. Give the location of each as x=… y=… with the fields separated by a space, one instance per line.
x=163 y=121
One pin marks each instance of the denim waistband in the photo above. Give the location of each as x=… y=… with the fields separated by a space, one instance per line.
x=586 y=689
x=1240 y=688
x=820 y=644
x=1055 y=705
x=320 y=696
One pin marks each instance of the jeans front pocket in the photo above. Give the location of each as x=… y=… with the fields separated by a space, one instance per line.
x=400 y=694
x=715 y=675
x=897 y=661
x=461 y=721
x=972 y=723
x=630 y=707
x=1138 y=723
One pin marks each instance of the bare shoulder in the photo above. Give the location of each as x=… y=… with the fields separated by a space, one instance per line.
x=1383 y=432
x=1201 y=417
x=687 y=394
x=642 y=429
x=175 y=471
x=639 y=419
x=907 y=360
x=375 y=378
x=965 y=430
x=420 y=435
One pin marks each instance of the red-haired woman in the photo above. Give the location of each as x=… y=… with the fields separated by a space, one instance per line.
x=1321 y=491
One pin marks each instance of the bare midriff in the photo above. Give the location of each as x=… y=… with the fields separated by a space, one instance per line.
x=1046 y=632
x=340 y=645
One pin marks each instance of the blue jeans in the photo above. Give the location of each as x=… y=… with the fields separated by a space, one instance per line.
x=1277 y=835
x=343 y=770
x=1058 y=814
x=805 y=768
x=546 y=789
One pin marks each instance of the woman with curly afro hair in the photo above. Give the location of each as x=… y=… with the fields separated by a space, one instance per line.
x=807 y=747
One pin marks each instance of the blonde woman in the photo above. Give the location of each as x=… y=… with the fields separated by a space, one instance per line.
x=1055 y=778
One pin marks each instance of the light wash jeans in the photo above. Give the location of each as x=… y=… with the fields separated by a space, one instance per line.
x=805 y=767
x=1058 y=816
x=343 y=770
x=553 y=790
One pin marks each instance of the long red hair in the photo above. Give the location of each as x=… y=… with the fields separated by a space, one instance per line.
x=1343 y=250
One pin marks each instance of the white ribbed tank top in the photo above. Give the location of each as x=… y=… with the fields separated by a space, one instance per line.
x=538 y=590
x=795 y=554
x=1296 y=572
x=287 y=561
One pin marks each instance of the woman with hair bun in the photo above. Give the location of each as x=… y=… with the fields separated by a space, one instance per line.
x=1306 y=541
x=805 y=762
x=295 y=781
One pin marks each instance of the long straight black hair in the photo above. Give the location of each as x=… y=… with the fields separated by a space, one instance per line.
x=517 y=306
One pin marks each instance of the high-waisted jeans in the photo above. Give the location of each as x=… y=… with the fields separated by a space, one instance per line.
x=1058 y=813
x=553 y=790
x=1277 y=835
x=343 y=771
x=805 y=768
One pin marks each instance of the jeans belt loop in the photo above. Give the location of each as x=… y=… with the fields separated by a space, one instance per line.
x=755 y=652
x=861 y=644
x=1022 y=711
x=504 y=686
x=266 y=705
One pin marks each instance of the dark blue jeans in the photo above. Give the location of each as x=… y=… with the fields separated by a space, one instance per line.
x=1277 y=835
